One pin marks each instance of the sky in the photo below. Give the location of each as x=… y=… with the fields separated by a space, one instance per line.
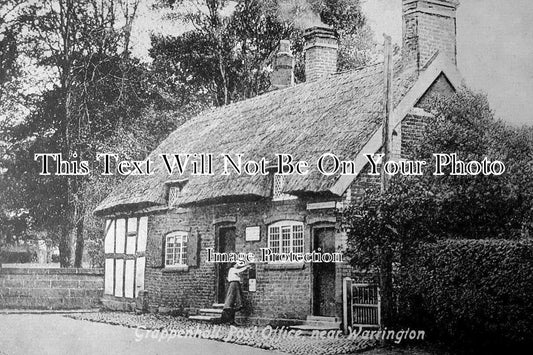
x=494 y=45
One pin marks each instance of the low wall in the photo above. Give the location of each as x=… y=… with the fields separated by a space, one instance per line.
x=29 y=288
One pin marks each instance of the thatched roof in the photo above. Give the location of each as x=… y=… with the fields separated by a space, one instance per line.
x=336 y=114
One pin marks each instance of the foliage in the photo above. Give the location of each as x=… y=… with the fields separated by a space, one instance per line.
x=228 y=54
x=397 y=220
x=478 y=206
x=100 y=99
x=96 y=89
x=9 y=32
x=132 y=142
x=17 y=257
x=13 y=224
x=428 y=207
x=387 y=228
x=472 y=293
x=224 y=56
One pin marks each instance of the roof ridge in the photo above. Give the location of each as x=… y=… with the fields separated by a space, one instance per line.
x=357 y=69
x=337 y=113
x=299 y=85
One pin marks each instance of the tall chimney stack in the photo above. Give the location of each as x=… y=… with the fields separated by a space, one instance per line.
x=429 y=26
x=283 y=74
x=321 y=47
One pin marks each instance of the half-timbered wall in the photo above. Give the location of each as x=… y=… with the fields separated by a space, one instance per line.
x=125 y=256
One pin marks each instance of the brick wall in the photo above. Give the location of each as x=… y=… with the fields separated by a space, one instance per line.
x=414 y=125
x=408 y=135
x=319 y=61
x=50 y=288
x=364 y=182
x=321 y=47
x=282 y=293
x=436 y=33
x=428 y=28
x=441 y=87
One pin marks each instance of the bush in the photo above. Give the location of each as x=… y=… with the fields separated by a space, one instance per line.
x=472 y=293
x=55 y=258
x=17 y=257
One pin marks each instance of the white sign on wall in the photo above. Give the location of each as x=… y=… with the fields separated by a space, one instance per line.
x=252 y=285
x=253 y=234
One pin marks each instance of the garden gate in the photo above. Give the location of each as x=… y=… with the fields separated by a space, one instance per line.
x=361 y=305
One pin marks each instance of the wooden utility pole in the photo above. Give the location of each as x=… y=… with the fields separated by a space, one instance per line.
x=386 y=253
x=387 y=99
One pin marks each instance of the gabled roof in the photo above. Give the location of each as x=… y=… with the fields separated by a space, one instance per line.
x=339 y=114
x=438 y=65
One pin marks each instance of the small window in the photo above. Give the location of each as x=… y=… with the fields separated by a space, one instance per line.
x=174 y=193
x=277 y=189
x=176 y=249
x=286 y=237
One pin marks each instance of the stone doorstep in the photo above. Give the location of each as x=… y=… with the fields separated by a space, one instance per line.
x=322 y=324
x=204 y=318
x=211 y=310
x=210 y=314
x=323 y=319
x=117 y=305
x=314 y=327
x=318 y=323
x=218 y=305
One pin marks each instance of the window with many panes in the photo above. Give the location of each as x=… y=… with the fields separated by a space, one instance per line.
x=286 y=237
x=176 y=249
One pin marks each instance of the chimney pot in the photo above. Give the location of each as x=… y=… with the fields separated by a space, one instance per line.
x=283 y=74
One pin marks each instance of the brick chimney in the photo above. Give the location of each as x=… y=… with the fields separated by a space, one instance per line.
x=429 y=26
x=321 y=46
x=283 y=74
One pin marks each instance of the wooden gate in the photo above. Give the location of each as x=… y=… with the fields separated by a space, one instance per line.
x=361 y=305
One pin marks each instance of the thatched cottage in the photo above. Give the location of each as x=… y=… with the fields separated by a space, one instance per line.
x=159 y=227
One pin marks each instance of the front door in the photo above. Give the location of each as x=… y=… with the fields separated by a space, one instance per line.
x=226 y=244
x=324 y=274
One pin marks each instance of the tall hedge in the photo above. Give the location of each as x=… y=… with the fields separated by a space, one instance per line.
x=474 y=294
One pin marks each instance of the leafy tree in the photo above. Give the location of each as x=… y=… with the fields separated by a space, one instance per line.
x=387 y=227
x=97 y=87
x=228 y=52
x=384 y=227
x=224 y=56
x=12 y=220
x=132 y=142
x=9 y=31
x=479 y=206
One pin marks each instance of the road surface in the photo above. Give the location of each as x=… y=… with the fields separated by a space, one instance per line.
x=22 y=334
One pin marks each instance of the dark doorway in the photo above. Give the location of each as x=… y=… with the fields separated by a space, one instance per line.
x=324 y=274
x=226 y=244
